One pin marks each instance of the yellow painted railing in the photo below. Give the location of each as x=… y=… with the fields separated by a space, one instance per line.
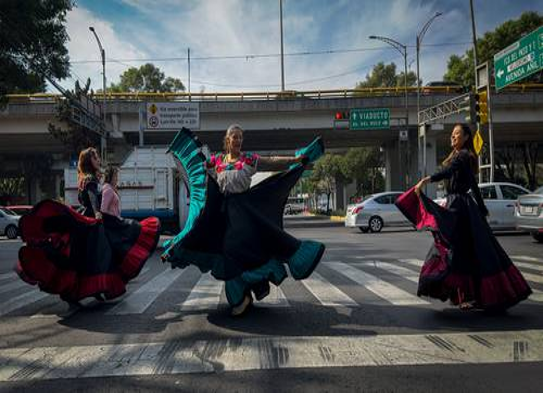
x=264 y=96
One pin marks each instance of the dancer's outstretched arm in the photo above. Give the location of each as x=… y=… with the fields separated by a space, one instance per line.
x=278 y=163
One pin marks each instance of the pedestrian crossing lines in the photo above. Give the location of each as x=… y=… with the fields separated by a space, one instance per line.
x=348 y=283
x=217 y=356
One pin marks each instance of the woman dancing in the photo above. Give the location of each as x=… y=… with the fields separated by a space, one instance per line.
x=466 y=264
x=235 y=230
x=89 y=255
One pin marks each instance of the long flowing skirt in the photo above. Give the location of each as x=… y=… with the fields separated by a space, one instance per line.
x=75 y=256
x=466 y=262
x=239 y=238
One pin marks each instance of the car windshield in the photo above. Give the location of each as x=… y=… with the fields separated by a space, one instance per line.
x=538 y=191
x=8 y=211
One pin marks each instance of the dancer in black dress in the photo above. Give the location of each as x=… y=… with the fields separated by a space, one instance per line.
x=235 y=230
x=466 y=264
x=89 y=255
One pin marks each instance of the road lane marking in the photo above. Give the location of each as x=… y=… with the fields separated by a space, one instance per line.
x=276 y=299
x=22 y=300
x=528 y=266
x=269 y=353
x=527 y=258
x=398 y=270
x=140 y=299
x=381 y=288
x=205 y=295
x=326 y=293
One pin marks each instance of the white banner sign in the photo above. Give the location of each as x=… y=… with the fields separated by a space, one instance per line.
x=173 y=116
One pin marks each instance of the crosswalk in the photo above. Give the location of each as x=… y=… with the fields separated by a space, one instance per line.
x=350 y=282
x=267 y=353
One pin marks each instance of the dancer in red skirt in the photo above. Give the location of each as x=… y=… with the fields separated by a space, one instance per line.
x=93 y=254
x=466 y=264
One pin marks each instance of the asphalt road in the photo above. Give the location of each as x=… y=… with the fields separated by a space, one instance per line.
x=354 y=326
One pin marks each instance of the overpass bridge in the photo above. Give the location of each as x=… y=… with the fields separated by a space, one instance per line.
x=274 y=122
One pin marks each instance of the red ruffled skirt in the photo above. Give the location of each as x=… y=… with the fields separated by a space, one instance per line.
x=75 y=256
x=466 y=262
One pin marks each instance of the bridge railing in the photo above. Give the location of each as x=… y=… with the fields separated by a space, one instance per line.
x=266 y=96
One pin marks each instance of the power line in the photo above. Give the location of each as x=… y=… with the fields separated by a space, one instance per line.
x=347 y=72
x=266 y=55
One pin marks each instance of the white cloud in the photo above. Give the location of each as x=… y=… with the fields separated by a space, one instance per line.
x=83 y=46
x=167 y=28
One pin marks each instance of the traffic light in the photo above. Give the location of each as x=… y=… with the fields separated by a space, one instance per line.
x=341 y=115
x=476 y=106
x=481 y=107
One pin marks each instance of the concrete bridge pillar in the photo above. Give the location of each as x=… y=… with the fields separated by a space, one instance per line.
x=393 y=173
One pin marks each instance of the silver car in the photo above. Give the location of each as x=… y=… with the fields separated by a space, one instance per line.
x=500 y=199
x=528 y=213
x=9 y=223
x=375 y=212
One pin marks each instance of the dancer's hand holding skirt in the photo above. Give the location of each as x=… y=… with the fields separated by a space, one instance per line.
x=239 y=238
x=76 y=256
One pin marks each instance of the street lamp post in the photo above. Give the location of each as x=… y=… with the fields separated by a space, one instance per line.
x=281 y=47
x=419 y=39
x=402 y=49
x=103 y=139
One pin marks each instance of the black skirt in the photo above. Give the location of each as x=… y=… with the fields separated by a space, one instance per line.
x=466 y=262
x=239 y=238
x=75 y=256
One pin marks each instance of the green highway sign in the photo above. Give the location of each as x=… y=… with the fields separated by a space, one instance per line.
x=369 y=119
x=519 y=60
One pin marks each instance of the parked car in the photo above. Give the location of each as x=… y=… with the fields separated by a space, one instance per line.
x=375 y=212
x=500 y=199
x=528 y=213
x=20 y=209
x=9 y=223
x=294 y=205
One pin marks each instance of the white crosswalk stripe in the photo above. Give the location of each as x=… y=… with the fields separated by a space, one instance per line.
x=406 y=273
x=327 y=293
x=13 y=285
x=139 y=300
x=276 y=299
x=381 y=288
x=526 y=258
x=205 y=295
x=8 y=275
x=21 y=300
x=253 y=353
x=528 y=266
x=532 y=277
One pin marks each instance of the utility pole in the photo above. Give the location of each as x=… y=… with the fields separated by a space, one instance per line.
x=403 y=50
x=281 y=42
x=419 y=39
x=103 y=139
x=189 y=72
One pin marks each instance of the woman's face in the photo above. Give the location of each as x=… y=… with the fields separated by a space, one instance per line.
x=95 y=161
x=458 y=138
x=234 y=141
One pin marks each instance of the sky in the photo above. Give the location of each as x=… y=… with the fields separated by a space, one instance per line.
x=235 y=44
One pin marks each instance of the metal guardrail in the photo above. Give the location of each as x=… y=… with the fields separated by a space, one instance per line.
x=264 y=96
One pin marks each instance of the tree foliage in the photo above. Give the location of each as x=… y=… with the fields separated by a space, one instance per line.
x=147 y=78
x=461 y=68
x=76 y=137
x=383 y=75
x=32 y=38
x=363 y=166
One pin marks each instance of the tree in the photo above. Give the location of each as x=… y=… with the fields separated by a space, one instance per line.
x=364 y=166
x=147 y=78
x=461 y=68
x=326 y=173
x=383 y=75
x=76 y=137
x=32 y=42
